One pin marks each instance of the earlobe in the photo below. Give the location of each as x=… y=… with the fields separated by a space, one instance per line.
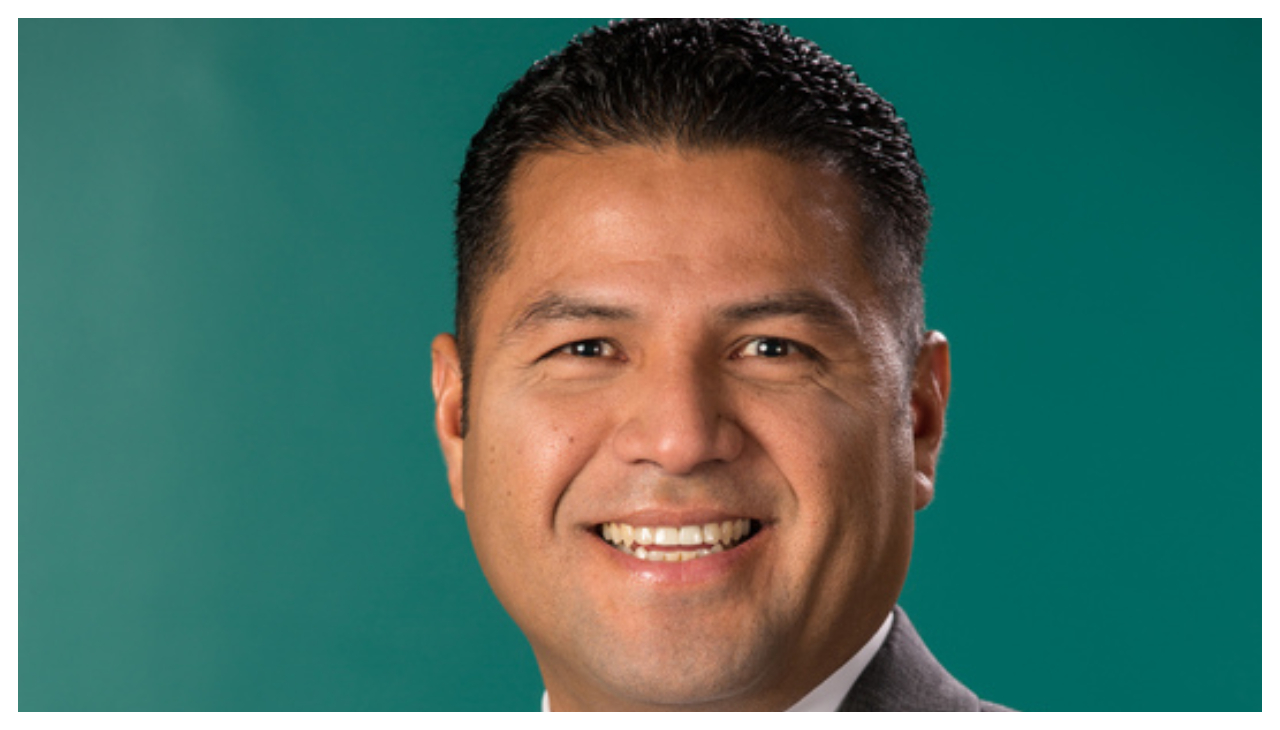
x=930 y=389
x=446 y=384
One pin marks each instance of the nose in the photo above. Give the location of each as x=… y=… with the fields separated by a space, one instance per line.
x=676 y=419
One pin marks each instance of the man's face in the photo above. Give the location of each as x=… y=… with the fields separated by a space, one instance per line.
x=680 y=340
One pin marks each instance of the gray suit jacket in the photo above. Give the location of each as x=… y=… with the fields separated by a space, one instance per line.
x=904 y=677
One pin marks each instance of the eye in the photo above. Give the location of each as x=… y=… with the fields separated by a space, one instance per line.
x=588 y=349
x=771 y=348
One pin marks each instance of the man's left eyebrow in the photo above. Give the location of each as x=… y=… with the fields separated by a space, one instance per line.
x=817 y=309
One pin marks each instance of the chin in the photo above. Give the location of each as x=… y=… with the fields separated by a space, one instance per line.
x=685 y=673
x=711 y=689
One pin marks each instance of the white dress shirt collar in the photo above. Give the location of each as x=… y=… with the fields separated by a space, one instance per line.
x=827 y=696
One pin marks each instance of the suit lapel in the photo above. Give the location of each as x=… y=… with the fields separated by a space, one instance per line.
x=904 y=677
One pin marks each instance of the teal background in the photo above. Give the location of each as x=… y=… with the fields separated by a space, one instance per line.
x=235 y=249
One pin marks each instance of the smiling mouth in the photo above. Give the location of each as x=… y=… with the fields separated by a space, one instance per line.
x=678 y=543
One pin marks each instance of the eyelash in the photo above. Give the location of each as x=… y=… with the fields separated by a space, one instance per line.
x=802 y=350
x=574 y=349
x=569 y=348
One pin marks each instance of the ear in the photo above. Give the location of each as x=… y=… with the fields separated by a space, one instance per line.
x=446 y=383
x=930 y=388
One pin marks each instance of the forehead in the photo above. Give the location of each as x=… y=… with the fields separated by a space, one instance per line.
x=676 y=226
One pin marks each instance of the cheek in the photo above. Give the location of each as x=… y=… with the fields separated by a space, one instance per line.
x=525 y=450
x=521 y=457
x=845 y=464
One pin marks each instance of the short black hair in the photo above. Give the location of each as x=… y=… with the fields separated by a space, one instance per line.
x=700 y=85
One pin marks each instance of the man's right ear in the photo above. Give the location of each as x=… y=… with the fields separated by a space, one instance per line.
x=446 y=383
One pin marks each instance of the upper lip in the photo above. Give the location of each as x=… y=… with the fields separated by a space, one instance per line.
x=658 y=517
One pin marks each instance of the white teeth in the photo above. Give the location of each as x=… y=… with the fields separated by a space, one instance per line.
x=711 y=531
x=666 y=536
x=698 y=540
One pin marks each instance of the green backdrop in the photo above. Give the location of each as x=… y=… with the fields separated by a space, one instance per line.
x=235 y=249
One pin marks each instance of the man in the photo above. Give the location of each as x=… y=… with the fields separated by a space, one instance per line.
x=691 y=408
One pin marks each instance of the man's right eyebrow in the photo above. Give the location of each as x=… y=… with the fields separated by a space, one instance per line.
x=558 y=308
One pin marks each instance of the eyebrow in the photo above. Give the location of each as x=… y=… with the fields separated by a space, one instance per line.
x=559 y=307
x=819 y=310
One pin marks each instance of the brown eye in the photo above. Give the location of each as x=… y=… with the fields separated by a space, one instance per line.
x=589 y=349
x=770 y=347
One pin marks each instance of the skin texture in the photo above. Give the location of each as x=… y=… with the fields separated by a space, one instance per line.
x=735 y=360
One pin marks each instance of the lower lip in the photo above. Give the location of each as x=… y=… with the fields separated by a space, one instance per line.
x=715 y=566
